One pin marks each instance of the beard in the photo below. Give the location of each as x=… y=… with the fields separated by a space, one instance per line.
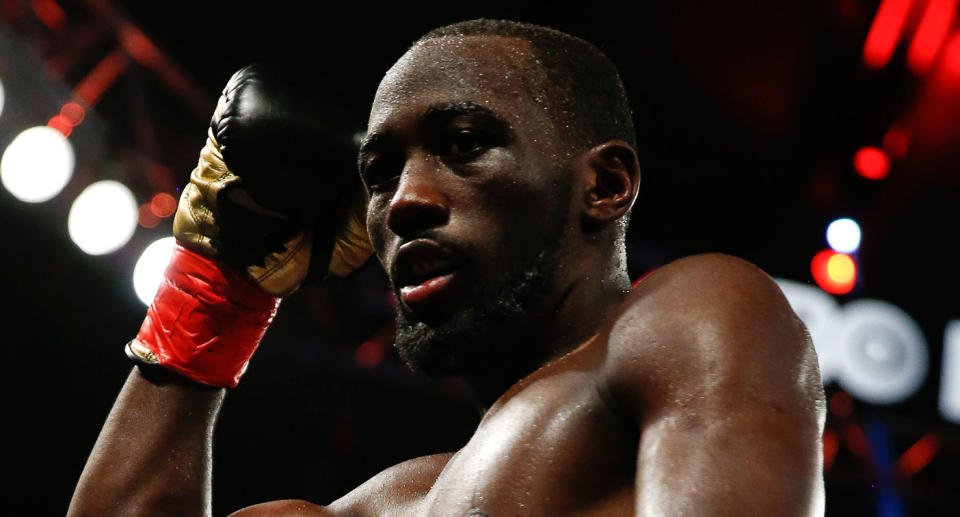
x=490 y=334
x=496 y=334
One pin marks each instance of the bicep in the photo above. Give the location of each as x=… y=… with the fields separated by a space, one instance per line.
x=722 y=381
x=732 y=460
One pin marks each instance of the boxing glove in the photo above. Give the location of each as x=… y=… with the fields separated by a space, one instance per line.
x=263 y=211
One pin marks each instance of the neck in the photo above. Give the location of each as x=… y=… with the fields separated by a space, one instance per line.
x=576 y=313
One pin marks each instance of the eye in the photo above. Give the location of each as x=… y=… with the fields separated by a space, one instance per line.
x=463 y=144
x=378 y=173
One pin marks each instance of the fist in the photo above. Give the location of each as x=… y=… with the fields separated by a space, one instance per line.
x=273 y=191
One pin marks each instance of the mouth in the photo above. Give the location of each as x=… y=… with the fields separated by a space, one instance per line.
x=425 y=272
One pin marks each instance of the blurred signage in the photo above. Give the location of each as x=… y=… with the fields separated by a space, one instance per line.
x=875 y=350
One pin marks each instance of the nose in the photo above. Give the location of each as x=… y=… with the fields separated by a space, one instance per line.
x=419 y=203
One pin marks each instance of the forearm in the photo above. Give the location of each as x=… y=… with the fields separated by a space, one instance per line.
x=153 y=455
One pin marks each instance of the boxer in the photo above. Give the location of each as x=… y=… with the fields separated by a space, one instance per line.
x=499 y=170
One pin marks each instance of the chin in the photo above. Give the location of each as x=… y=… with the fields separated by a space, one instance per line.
x=496 y=329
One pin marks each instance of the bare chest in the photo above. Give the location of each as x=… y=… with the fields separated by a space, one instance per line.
x=554 y=448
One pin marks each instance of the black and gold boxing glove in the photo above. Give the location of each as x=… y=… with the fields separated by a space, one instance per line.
x=263 y=209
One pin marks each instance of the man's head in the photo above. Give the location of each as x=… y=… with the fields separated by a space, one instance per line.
x=499 y=160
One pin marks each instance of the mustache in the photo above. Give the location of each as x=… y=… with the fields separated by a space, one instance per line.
x=463 y=252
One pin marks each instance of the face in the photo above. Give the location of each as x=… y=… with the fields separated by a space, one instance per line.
x=469 y=200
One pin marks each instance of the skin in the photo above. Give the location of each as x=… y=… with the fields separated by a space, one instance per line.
x=697 y=393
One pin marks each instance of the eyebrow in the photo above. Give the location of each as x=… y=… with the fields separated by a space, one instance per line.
x=435 y=115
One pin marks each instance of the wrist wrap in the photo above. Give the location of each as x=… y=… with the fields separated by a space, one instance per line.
x=205 y=322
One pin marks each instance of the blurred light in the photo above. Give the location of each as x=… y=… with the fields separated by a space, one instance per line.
x=92 y=87
x=138 y=45
x=61 y=124
x=885 y=32
x=842 y=269
x=1 y=97
x=163 y=205
x=896 y=142
x=146 y=217
x=856 y=440
x=370 y=353
x=73 y=113
x=871 y=163
x=49 y=13
x=103 y=217
x=37 y=164
x=950 y=373
x=148 y=273
x=843 y=235
x=830 y=445
x=918 y=455
x=951 y=58
x=835 y=273
x=822 y=315
x=936 y=21
x=884 y=352
x=841 y=404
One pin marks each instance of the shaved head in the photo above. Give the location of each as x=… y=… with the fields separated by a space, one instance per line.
x=583 y=85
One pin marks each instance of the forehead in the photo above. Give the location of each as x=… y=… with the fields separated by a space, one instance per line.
x=497 y=72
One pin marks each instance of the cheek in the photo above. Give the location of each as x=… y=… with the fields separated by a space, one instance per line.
x=509 y=220
x=376 y=228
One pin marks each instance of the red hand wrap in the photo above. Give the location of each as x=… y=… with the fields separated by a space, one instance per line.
x=206 y=320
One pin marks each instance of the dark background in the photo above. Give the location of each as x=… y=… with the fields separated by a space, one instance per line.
x=748 y=116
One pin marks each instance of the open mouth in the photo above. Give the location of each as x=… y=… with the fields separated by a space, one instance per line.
x=424 y=272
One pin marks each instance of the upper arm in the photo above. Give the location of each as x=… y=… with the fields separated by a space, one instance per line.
x=285 y=508
x=394 y=491
x=722 y=380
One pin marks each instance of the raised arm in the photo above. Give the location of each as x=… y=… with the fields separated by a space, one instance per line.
x=723 y=381
x=153 y=455
x=264 y=207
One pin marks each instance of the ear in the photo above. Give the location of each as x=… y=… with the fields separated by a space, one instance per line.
x=612 y=181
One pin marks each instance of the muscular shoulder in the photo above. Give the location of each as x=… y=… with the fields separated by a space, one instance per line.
x=710 y=329
x=394 y=491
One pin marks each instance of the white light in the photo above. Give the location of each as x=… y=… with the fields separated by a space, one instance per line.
x=950 y=374
x=884 y=352
x=821 y=314
x=843 y=235
x=37 y=164
x=103 y=217
x=148 y=273
x=1 y=97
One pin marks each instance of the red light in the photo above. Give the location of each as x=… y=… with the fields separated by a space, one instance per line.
x=936 y=21
x=841 y=404
x=835 y=273
x=103 y=75
x=371 y=352
x=885 y=32
x=918 y=455
x=138 y=45
x=857 y=441
x=896 y=142
x=73 y=112
x=830 y=445
x=49 y=13
x=146 y=217
x=871 y=163
x=163 y=205
x=951 y=57
x=61 y=124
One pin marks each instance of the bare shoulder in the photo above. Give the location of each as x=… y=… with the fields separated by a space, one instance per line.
x=285 y=508
x=394 y=491
x=710 y=326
